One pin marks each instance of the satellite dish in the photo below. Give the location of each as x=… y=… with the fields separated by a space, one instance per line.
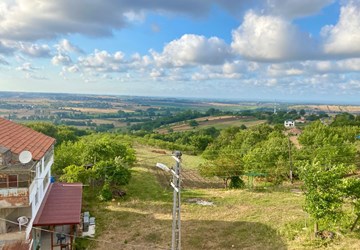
x=25 y=157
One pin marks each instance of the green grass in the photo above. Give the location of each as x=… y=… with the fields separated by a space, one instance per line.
x=267 y=218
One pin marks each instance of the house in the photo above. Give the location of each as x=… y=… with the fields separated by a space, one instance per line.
x=289 y=124
x=26 y=191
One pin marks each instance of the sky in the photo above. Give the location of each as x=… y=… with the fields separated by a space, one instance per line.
x=285 y=50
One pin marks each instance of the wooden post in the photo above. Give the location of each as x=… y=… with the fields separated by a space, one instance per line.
x=52 y=236
x=355 y=222
x=316 y=228
x=71 y=236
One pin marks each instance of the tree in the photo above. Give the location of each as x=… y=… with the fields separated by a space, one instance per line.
x=352 y=191
x=226 y=166
x=328 y=145
x=193 y=123
x=75 y=173
x=66 y=154
x=323 y=185
x=270 y=157
x=225 y=157
x=113 y=172
x=200 y=142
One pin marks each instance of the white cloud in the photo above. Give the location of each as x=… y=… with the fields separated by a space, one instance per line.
x=27 y=67
x=72 y=69
x=271 y=38
x=157 y=73
x=338 y=66
x=35 y=50
x=343 y=39
x=285 y=69
x=193 y=49
x=61 y=59
x=103 y=61
x=65 y=46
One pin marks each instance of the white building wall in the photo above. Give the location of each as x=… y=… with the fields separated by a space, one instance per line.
x=43 y=170
x=289 y=124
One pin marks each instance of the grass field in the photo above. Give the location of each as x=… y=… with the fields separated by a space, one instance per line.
x=270 y=218
x=329 y=108
x=218 y=122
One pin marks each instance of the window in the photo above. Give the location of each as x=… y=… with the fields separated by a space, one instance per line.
x=9 y=181
x=45 y=181
x=37 y=197
x=13 y=180
x=3 y=181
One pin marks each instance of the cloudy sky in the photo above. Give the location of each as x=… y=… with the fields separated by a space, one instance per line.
x=251 y=49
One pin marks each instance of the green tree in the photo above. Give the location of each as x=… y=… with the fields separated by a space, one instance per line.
x=352 y=192
x=270 y=156
x=66 y=154
x=227 y=165
x=193 y=123
x=75 y=173
x=200 y=142
x=323 y=185
x=113 y=172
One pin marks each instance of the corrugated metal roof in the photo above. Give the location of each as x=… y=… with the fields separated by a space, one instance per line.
x=61 y=205
x=18 y=138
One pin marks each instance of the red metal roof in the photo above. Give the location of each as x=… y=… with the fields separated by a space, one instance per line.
x=61 y=205
x=18 y=138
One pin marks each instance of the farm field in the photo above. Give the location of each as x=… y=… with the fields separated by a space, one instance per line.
x=218 y=122
x=329 y=108
x=268 y=218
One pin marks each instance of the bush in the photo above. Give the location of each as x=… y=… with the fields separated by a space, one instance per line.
x=106 y=193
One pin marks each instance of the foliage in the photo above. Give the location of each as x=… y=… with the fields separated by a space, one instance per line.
x=113 y=172
x=61 y=133
x=352 y=192
x=323 y=189
x=106 y=194
x=171 y=118
x=328 y=145
x=75 y=173
x=193 y=123
x=92 y=149
x=346 y=119
x=235 y=152
x=188 y=141
x=269 y=156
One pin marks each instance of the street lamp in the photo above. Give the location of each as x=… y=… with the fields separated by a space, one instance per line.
x=175 y=183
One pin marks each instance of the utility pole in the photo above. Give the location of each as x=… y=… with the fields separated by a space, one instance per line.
x=176 y=184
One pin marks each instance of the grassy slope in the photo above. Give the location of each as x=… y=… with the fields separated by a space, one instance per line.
x=240 y=219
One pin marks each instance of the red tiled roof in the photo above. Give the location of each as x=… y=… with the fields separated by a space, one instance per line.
x=18 y=138
x=61 y=205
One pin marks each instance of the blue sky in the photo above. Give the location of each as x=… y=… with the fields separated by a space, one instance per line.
x=289 y=50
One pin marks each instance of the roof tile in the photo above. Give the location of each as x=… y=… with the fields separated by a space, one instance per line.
x=18 y=138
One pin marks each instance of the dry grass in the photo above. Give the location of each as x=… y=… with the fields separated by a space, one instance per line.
x=91 y=110
x=270 y=218
x=329 y=108
x=218 y=122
